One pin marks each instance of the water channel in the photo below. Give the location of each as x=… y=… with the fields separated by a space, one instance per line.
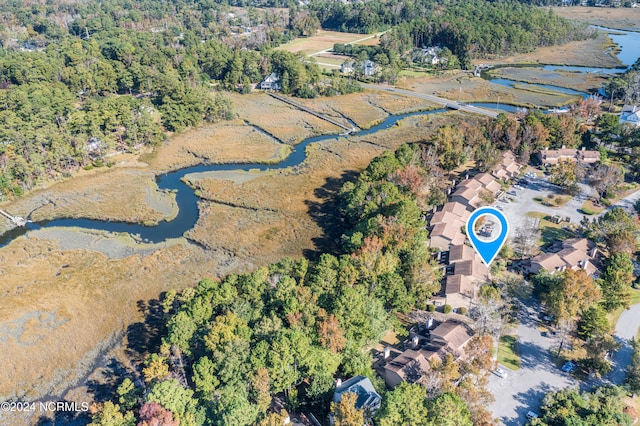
x=187 y=201
x=628 y=44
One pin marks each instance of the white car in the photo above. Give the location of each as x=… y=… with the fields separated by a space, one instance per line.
x=500 y=372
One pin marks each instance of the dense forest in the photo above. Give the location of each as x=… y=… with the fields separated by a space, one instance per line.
x=79 y=80
x=469 y=29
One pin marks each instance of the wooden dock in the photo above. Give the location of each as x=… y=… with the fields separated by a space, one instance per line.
x=16 y=220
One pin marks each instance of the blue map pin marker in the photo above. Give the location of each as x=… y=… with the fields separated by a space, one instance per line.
x=488 y=236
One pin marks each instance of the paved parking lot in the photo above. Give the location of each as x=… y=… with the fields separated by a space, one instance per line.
x=524 y=389
x=523 y=203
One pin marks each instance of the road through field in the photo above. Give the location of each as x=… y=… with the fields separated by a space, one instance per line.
x=446 y=103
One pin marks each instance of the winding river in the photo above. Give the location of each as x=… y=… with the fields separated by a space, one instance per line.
x=187 y=201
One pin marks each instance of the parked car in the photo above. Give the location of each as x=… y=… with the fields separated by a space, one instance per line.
x=500 y=372
x=499 y=207
x=512 y=192
x=516 y=186
x=531 y=415
x=568 y=367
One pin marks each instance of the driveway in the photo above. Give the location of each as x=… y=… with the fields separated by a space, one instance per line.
x=524 y=389
x=626 y=329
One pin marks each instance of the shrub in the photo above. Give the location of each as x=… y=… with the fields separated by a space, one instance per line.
x=447 y=309
x=463 y=311
x=431 y=307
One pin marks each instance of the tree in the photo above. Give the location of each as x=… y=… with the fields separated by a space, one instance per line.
x=330 y=334
x=603 y=406
x=110 y=415
x=403 y=406
x=153 y=414
x=633 y=370
x=606 y=178
x=616 y=281
x=345 y=413
x=569 y=296
x=617 y=229
x=448 y=410
x=593 y=323
x=128 y=394
x=563 y=174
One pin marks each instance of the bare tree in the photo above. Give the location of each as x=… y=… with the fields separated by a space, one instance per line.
x=526 y=237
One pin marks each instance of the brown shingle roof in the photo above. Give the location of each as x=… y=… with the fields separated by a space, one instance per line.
x=457 y=209
x=455 y=334
x=461 y=252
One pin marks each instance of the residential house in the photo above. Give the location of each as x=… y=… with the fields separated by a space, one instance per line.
x=630 y=115
x=447 y=225
x=464 y=272
x=508 y=168
x=367 y=398
x=574 y=253
x=347 y=67
x=271 y=82
x=426 y=345
x=458 y=209
x=470 y=191
x=488 y=183
x=429 y=55
x=369 y=68
x=553 y=156
x=445 y=234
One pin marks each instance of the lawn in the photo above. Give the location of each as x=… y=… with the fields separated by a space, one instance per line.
x=550 y=232
x=508 y=352
x=323 y=40
x=589 y=208
x=553 y=200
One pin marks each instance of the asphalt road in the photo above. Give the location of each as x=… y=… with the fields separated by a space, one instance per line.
x=523 y=390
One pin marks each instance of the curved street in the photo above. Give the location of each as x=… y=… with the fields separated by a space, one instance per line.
x=524 y=389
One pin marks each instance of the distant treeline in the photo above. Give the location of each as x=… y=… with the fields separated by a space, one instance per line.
x=470 y=29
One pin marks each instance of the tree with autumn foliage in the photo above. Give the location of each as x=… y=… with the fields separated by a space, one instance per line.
x=571 y=294
x=330 y=335
x=345 y=413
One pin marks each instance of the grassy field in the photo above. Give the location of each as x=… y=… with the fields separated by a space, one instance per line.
x=594 y=52
x=463 y=87
x=572 y=80
x=325 y=40
x=284 y=122
x=508 y=352
x=619 y=18
x=227 y=142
